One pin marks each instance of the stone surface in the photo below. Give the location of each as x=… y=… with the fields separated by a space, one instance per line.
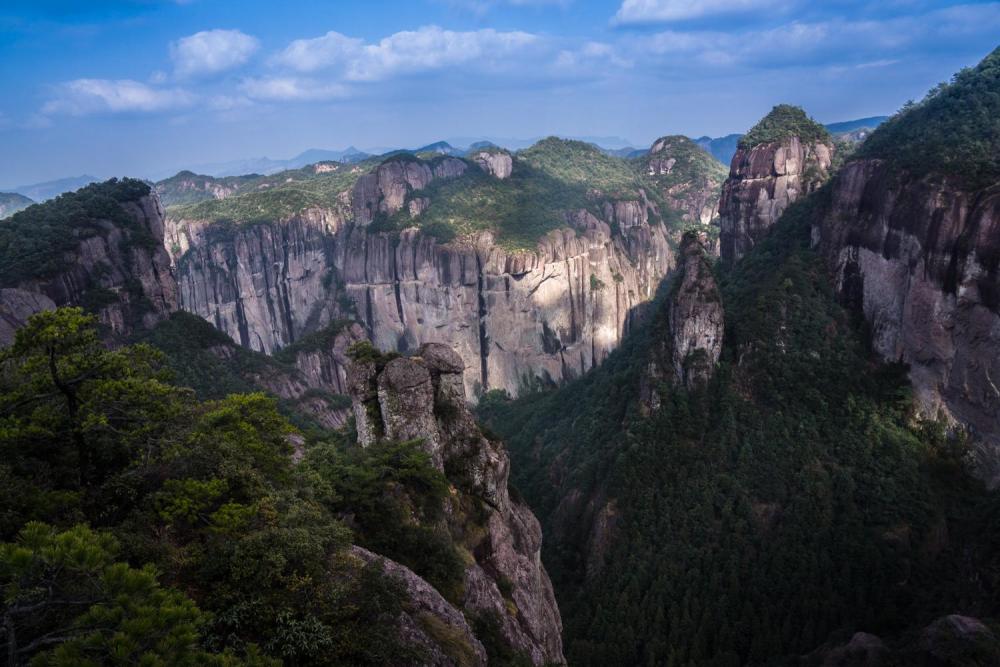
x=696 y=317
x=919 y=257
x=423 y=600
x=763 y=181
x=498 y=164
x=16 y=306
x=551 y=313
x=422 y=396
x=138 y=275
x=691 y=328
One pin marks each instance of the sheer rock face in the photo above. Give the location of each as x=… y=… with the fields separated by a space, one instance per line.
x=16 y=306
x=696 y=318
x=694 y=327
x=422 y=396
x=763 y=181
x=921 y=259
x=552 y=313
x=498 y=164
x=134 y=276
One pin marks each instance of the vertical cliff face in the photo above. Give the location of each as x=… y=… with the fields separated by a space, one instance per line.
x=107 y=254
x=691 y=329
x=919 y=257
x=782 y=158
x=552 y=312
x=423 y=397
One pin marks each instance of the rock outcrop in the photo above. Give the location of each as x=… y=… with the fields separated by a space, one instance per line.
x=496 y=163
x=920 y=257
x=16 y=306
x=423 y=397
x=550 y=313
x=696 y=317
x=120 y=271
x=426 y=614
x=692 y=327
x=764 y=179
x=687 y=177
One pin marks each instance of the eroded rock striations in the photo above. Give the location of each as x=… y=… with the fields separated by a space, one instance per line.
x=919 y=257
x=791 y=158
x=423 y=397
x=552 y=313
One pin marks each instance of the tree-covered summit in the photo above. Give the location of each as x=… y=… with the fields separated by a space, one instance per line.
x=783 y=122
x=954 y=130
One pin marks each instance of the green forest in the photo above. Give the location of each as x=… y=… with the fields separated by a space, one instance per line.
x=141 y=525
x=793 y=502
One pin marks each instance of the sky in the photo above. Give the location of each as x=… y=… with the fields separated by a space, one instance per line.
x=145 y=87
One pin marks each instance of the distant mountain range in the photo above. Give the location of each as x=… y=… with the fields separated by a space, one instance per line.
x=266 y=166
x=39 y=192
x=11 y=203
x=722 y=148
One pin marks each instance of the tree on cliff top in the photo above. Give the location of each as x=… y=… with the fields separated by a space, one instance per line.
x=783 y=122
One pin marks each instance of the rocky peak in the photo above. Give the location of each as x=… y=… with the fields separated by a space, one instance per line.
x=912 y=234
x=696 y=316
x=496 y=163
x=422 y=397
x=384 y=190
x=785 y=156
x=693 y=326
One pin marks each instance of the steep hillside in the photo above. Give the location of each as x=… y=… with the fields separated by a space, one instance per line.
x=11 y=203
x=141 y=525
x=100 y=247
x=533 y=265
x=789 y=502
x=688 y=178
x=912 y=234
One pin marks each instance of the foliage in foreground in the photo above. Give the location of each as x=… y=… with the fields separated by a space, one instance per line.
x=142 y=526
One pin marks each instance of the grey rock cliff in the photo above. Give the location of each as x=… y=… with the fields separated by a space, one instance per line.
x=920 y=258
x=423 y=397
x=499 y=164
x=552 y=313
x=763 y=181
x=692 y=327
x=133 y=277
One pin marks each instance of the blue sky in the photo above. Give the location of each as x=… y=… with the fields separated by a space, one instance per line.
x=141 y=87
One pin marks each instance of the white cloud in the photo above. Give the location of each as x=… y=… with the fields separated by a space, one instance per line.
x=664 y=11
x=211 y=52
x=86 y=96
x=590 y=54
x=424 y=49
x=291 y=89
